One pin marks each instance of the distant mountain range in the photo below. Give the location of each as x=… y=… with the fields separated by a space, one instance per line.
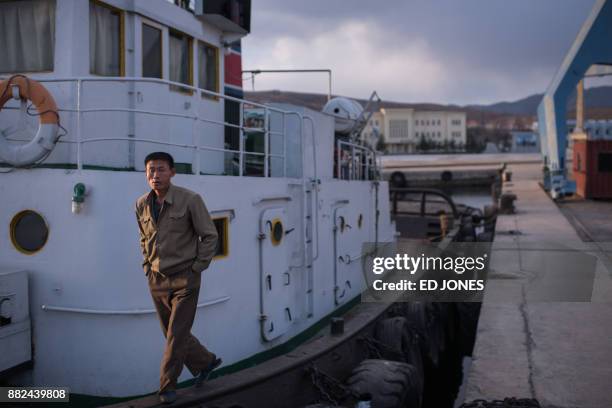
x=597 y=98
x=598 y=104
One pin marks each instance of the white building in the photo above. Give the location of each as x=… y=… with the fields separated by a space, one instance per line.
x=403 y=129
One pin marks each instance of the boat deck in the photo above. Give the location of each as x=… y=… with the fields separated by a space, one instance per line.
x=558 y=352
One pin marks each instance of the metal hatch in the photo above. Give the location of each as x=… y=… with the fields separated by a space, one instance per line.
x=277 y=280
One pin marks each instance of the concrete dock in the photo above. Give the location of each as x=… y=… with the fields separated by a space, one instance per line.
x=559 y=352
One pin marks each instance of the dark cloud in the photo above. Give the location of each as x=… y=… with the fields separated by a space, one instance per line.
x=512 y=41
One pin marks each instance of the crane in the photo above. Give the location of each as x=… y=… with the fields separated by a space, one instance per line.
x=589 y=55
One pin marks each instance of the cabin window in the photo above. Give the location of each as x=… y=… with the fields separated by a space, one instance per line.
x=222 y=225
x=27 y=36
x=180 y=60
x=151 y=52
x=105 y=40
x=208 y=63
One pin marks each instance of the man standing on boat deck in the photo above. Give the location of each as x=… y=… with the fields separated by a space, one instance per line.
x=178 y=241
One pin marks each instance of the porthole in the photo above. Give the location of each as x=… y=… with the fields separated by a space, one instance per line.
x=29 y=232
x=360 y=221
x=277 y=232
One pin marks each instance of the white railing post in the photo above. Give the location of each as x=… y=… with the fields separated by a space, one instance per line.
x=78 y=132
x=195 y=166
x=195 y=109
x=338 y=159
x=352 y=172
x=241 y=141
x=266 y=143
x=284 y=154
x=284 y=131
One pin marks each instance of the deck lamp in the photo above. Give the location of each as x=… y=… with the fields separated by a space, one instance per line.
x=78 y=197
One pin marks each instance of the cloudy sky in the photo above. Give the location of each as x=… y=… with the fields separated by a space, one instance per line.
x=442 y=51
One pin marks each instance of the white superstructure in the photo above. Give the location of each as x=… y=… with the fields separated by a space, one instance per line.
x=264 y=170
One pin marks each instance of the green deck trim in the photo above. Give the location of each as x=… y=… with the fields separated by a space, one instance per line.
x=87 y=401
x=181 y=168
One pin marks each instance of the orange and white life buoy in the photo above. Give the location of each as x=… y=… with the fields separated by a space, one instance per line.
x=21 y=87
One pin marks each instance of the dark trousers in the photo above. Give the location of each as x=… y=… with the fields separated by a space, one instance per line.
x=176 y=298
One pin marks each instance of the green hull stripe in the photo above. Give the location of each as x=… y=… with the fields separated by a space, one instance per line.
x=83 y=400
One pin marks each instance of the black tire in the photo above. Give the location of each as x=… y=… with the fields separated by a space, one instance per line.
x=396 y=309
x=438 y=322
x=421 y=317
x=467 y=324
x=391 y=384
x=398 y=179
x=446 y=176
x=401 y=342
x=427 y=321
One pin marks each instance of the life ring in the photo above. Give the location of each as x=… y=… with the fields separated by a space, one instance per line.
x=48 y=124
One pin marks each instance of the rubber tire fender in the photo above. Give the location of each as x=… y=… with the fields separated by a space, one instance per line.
x=397 y=334
x=391 y=384
x=421 y=317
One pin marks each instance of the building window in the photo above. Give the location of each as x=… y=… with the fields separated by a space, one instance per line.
x=604 y=162
x=376 y=123
x=208 y=66
x=105 y=40
x=180 y=60
x=456 y=122
x=151 y=52
x=398 y=129
x=27 y=36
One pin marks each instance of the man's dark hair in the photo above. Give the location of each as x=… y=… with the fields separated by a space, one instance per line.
x=160 y=156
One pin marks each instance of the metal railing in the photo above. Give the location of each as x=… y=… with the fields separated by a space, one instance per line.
x=197 y=102
x=399 y=194
x=355 y=162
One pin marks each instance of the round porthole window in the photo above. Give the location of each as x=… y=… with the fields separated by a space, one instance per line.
x=277 y=232
x=29 y=232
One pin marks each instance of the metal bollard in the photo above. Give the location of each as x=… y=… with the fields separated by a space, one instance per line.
x=507 y=203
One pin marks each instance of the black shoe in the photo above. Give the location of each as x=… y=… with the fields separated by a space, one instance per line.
x=167 y=397
x=205 y=373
